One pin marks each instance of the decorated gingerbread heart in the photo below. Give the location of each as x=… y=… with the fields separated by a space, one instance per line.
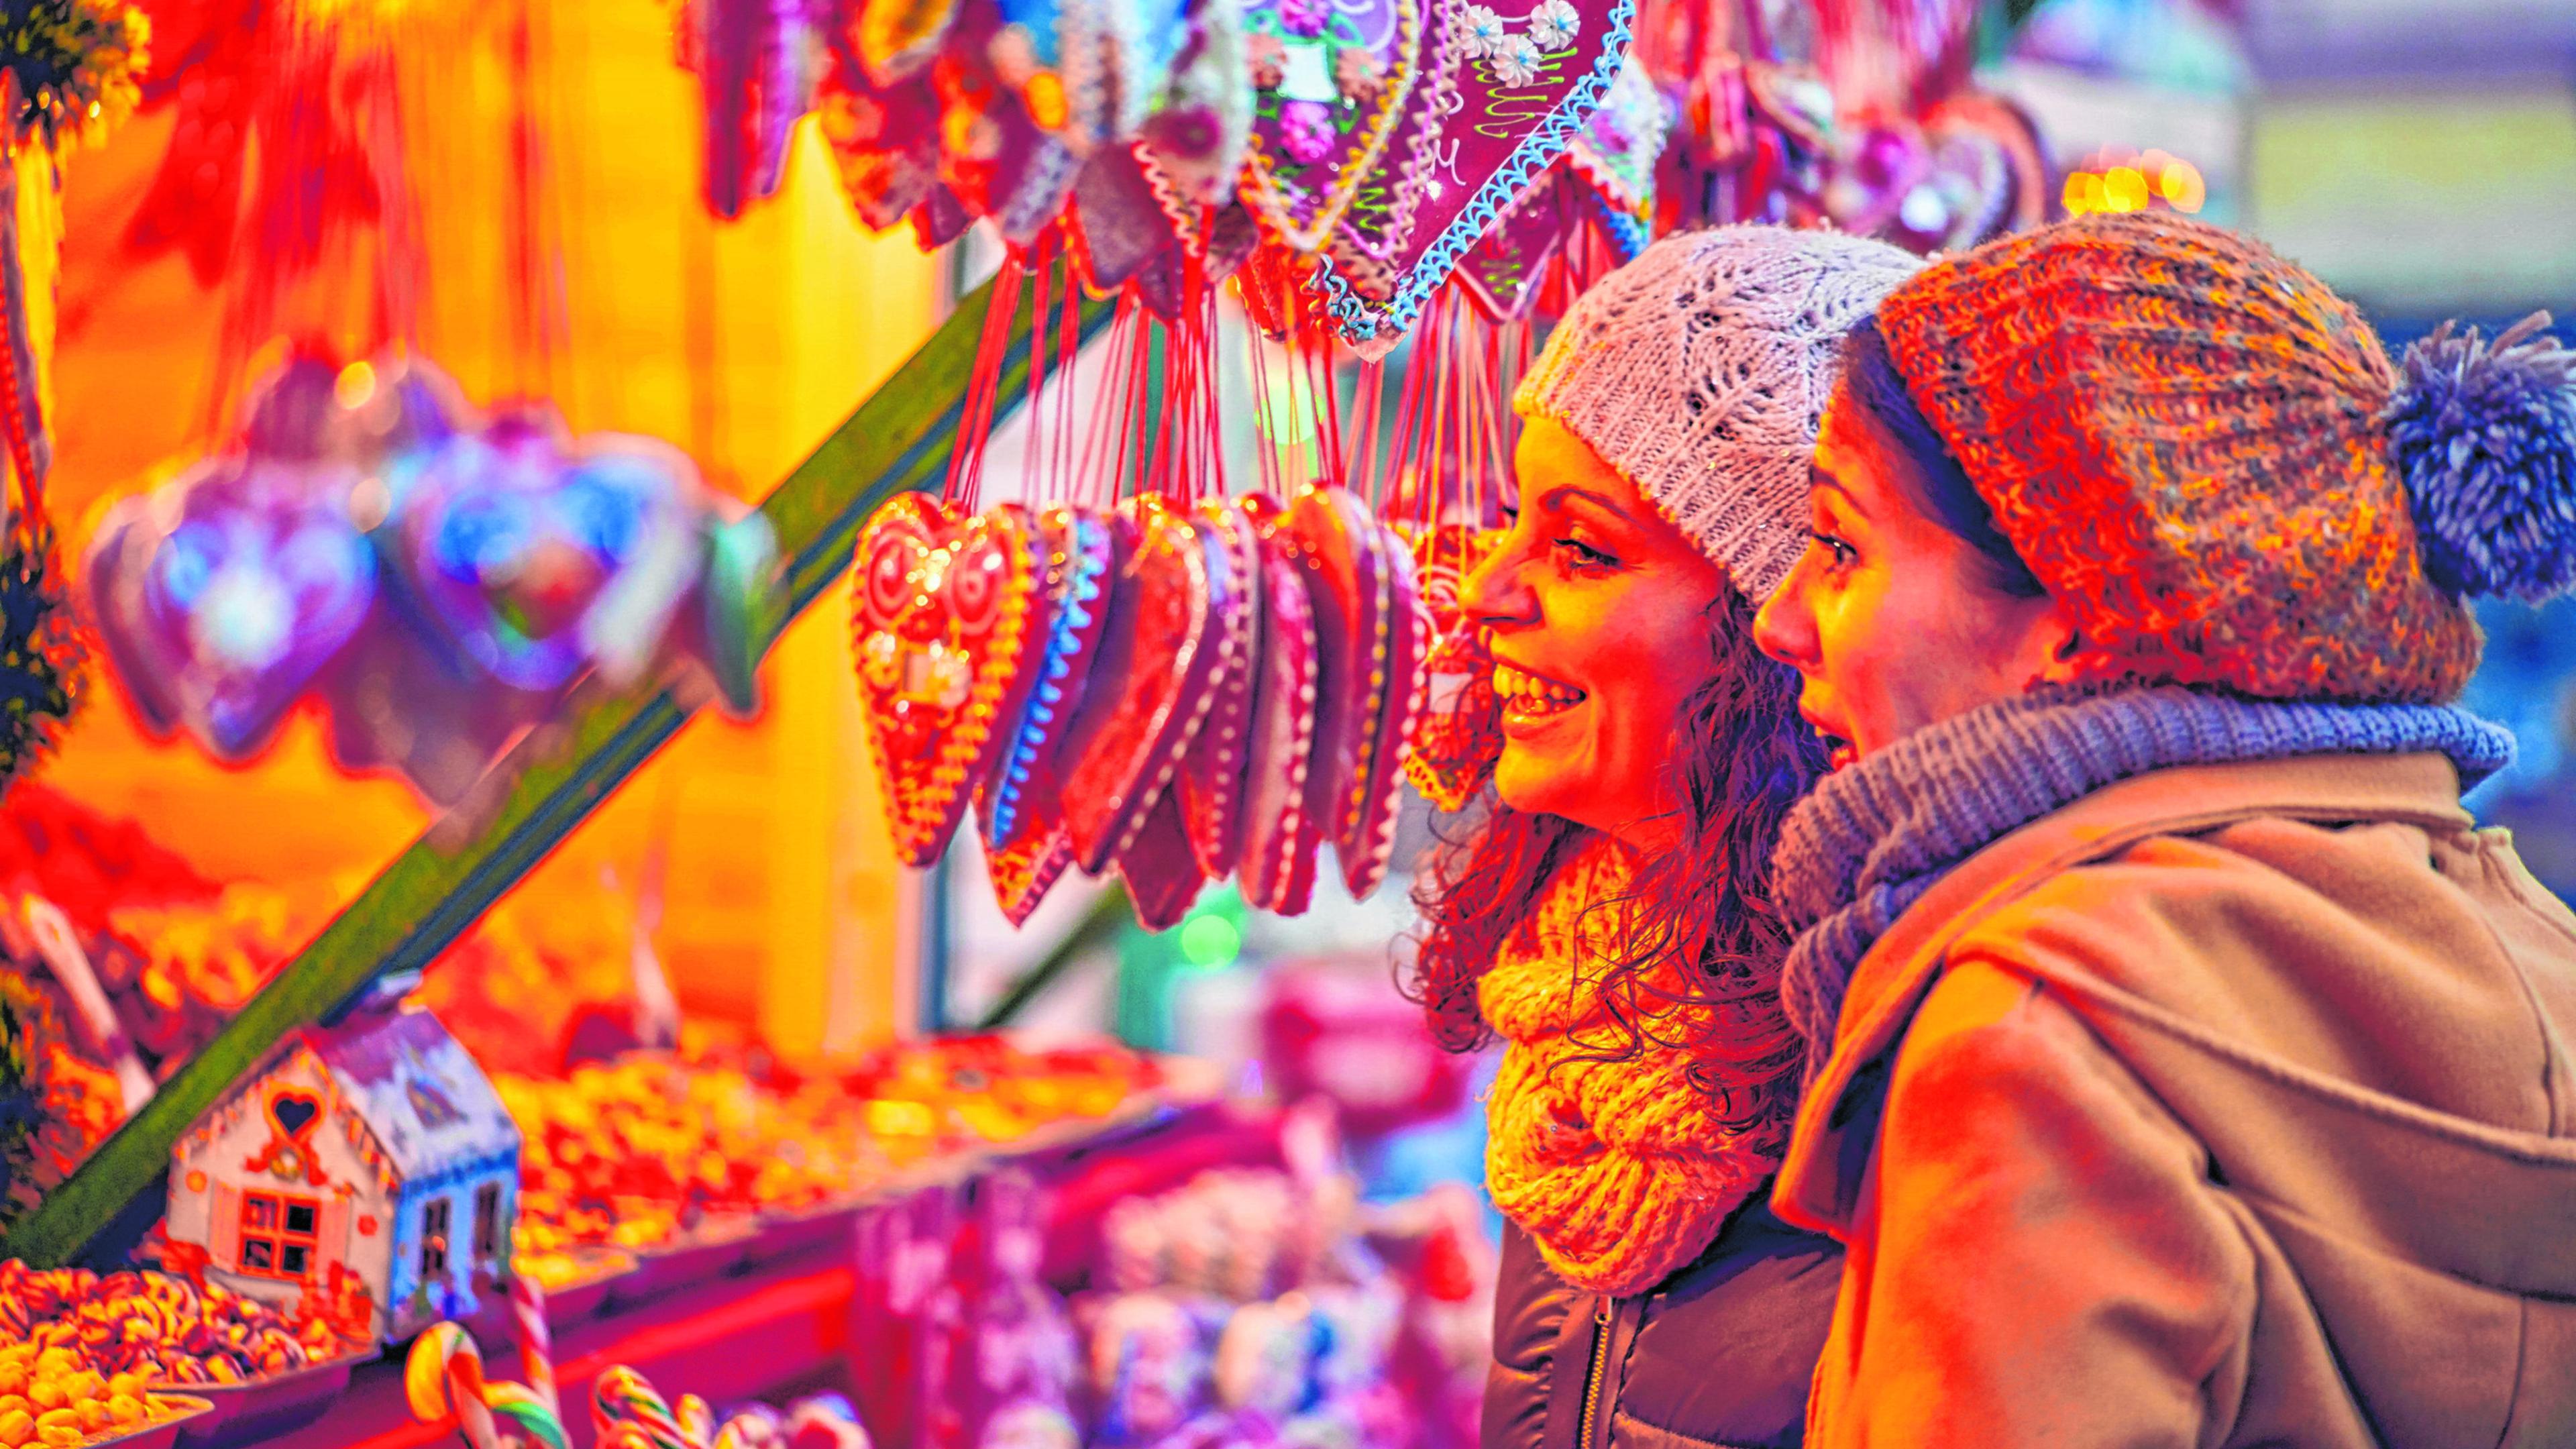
x=1194 y=141
x=1366 y=834
x=1024 y=864
x=1458 y=734
x=1280 y=834
x=1502 y=272
x=1083 y=551
x=1148 y=687
x=1513 y=91
x=1329 y=81
x=1162 y=872
x=1209 y=788
x=947 y=629
x=1340 y=548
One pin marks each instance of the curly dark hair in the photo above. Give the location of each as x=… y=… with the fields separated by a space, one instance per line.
x=1741 y=758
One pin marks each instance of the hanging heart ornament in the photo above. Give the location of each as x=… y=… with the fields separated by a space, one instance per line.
x=1329 y=81
x=945 y=622
x=1510 y=95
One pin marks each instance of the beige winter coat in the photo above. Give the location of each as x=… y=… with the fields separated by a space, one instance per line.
x=2230 y=1105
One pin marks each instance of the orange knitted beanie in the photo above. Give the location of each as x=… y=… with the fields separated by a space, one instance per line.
x=1621 y=1172
x=2182 y=434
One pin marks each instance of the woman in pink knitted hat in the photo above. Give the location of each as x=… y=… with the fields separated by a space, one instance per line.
x=2185 y=1068
x=1609 y=919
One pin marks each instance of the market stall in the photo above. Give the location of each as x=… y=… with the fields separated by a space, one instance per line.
x=1150 y=552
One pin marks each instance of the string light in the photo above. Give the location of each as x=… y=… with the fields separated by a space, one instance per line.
x=2119 y=181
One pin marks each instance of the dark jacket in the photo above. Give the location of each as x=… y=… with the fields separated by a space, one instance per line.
x=1719 y=1354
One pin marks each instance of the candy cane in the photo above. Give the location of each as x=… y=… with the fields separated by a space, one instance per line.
x=697 y=1421
x=622 y=1397
x=533 y=1416
x=444 y=1376
x=536 y=1340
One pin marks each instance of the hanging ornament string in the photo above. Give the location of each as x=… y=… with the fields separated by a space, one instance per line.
x=975 y=426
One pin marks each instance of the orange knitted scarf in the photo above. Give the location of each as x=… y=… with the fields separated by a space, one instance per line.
x=1620 y=1171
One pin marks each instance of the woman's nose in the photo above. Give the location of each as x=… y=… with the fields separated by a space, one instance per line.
x=1785 y=626
x=1493 y=594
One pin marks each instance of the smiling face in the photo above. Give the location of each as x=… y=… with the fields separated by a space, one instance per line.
x=1598 y=612
x=1892 y=621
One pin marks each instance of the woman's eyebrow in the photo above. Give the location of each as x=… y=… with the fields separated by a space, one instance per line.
x=1555 y=499
x=1820 y=478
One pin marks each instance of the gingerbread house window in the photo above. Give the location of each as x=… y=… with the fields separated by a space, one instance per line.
x=487 y=1221
x=433 y=1237
x=278 y=1234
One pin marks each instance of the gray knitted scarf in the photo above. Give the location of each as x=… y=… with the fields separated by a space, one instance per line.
x=1874 y=836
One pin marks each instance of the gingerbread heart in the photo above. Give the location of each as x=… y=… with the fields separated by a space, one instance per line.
x=1082 y=556
x=1501 y=274
x=1329 y=82
x=1161 y=871
x=945 y=621
x=1458 y=734
x=1026 y=864
x=1512 y=93
x=1209 y=788
x=1148 y=689
x=1366 y=835
x=1280 y=834
x=1339 y=547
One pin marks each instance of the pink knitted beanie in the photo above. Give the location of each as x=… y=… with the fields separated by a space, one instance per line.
x=1700 y=372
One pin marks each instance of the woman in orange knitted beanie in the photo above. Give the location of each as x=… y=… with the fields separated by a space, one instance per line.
x=1610 y=918
x=2185 y=1068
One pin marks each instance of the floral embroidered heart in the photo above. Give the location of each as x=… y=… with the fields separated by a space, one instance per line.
x=537 y=561
x=1514 y=91
x=1161 y=871
x=1458 y=735
x=1194 y=141
x=1279 y=834
x=945 y=622
x=1148 y=687
x=1083 y=551
x=1329 y=81
x=1209 y=788
x=1339 y=548
x=223 y=617
x=1367 y=832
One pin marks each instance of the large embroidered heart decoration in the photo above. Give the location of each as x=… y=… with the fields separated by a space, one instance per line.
x=1082 y=550
x=945 y=622
x=1280 y=834
x=1161 y=871
x=220 y=617
x=1338 y=546
x=1329 y=81
x=1209 y=788
x=1458 y=735
x=1508 y=102
x=1366 y=833
x=1148 y=688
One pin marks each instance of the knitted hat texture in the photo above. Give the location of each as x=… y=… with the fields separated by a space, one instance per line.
x=1700 y=371
x=2182 y=434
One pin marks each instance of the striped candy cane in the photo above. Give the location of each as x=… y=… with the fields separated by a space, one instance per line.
x=536 y=1340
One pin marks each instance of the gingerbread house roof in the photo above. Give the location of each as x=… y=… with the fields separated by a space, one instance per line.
x=427 y=1103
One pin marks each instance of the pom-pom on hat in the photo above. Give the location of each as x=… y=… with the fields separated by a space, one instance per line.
x=1700 y=371
x=2206 y=457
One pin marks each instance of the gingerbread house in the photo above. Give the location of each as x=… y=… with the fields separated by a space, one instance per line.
x=370 y=1164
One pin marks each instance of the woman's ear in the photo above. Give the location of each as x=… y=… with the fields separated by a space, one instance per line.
x=2058 y=647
